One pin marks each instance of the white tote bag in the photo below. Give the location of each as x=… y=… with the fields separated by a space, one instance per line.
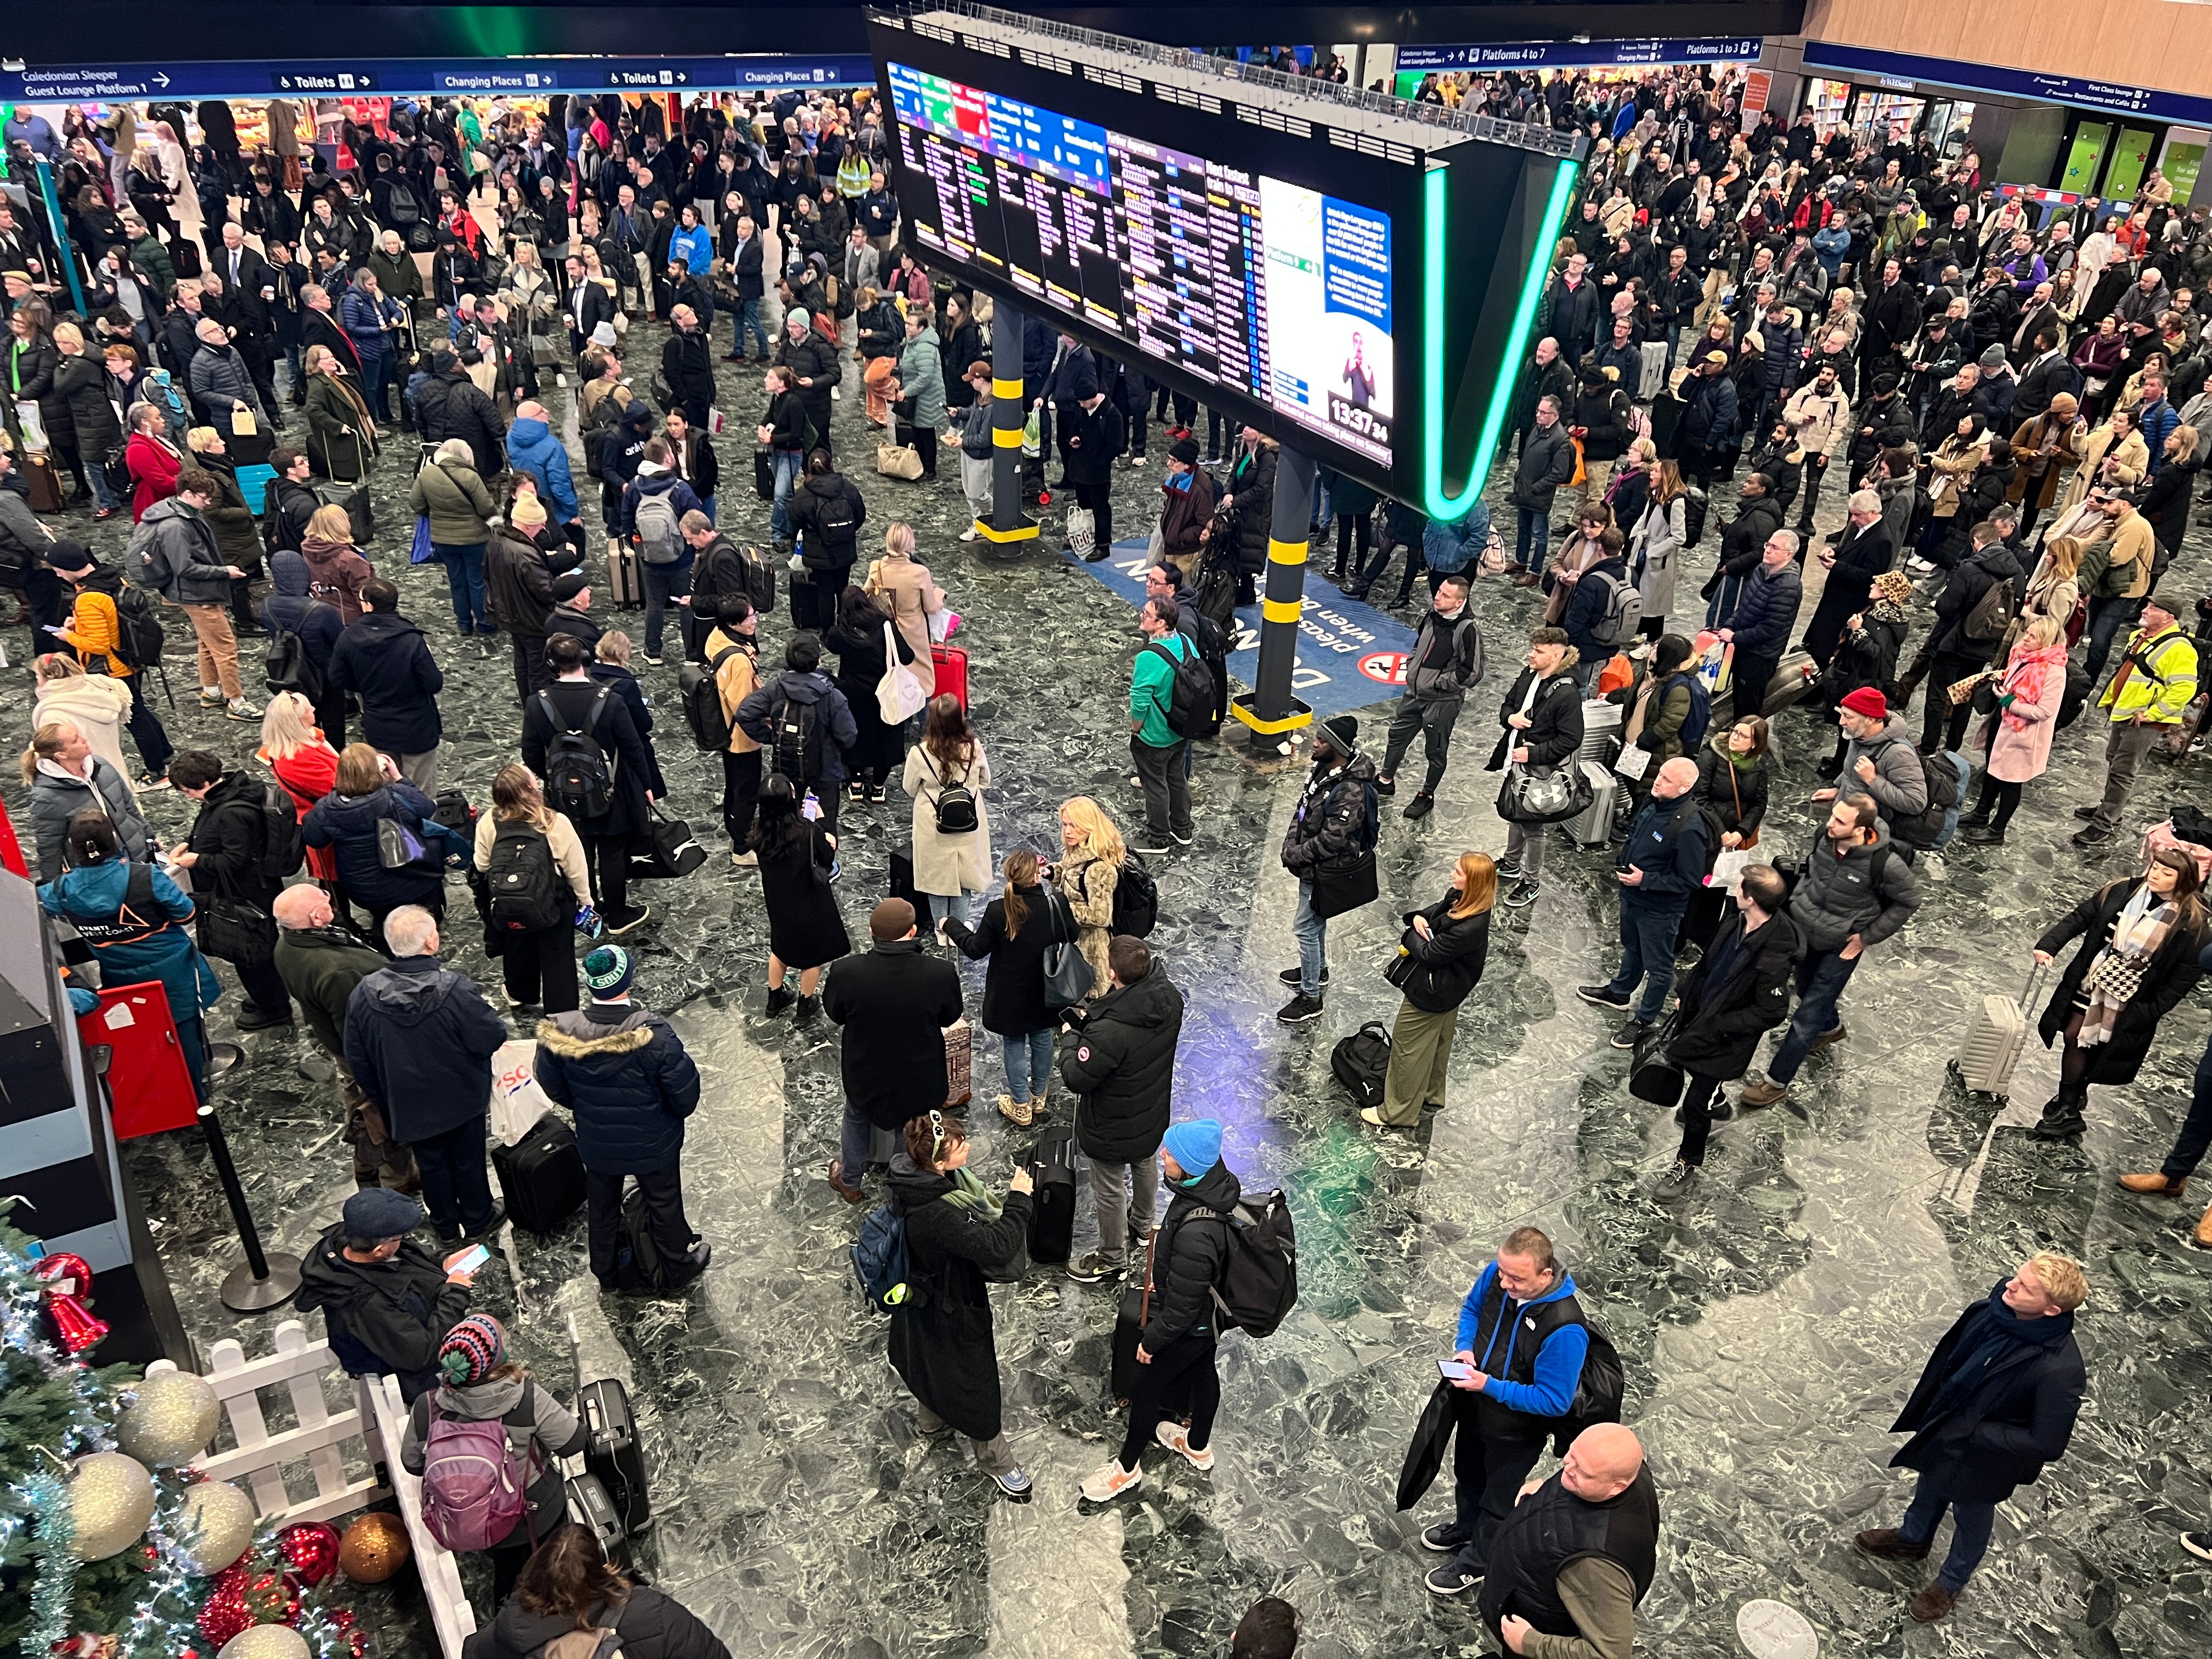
x=1082 y=531
x=899 y=696
x=517 y=1100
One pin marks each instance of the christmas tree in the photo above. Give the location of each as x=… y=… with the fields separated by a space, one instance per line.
x=102 y=1557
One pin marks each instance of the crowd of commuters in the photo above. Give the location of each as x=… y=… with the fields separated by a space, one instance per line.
x=2010 y=402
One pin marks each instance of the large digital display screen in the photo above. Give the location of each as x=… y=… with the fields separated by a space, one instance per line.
x=1265 y=288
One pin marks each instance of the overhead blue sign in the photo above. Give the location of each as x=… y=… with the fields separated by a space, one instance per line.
x=1898 y=69
x=1586 y=54
x=112 y=83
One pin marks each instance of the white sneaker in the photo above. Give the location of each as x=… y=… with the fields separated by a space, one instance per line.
x=1177 y=1438
x=1111 y=1481
x=745 y=860
x=968 y=534
x=836 y=396
x=653 y=661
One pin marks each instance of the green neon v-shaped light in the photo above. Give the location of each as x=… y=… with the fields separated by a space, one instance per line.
x=1436 y=503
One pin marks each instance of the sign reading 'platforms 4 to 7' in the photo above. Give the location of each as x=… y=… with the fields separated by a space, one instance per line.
x=401 y=76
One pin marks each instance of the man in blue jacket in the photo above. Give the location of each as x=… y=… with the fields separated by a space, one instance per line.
x=624 y=1073
x=419 y=1040
x=1522 y=1338
x=532 y=448
x=1660 y=868
x=1765 y=614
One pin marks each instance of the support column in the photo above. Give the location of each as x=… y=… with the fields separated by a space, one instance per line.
x=1269 y=709
x=1008 y=531
x=63 y=253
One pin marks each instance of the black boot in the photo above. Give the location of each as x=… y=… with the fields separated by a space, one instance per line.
x=2062 y=1118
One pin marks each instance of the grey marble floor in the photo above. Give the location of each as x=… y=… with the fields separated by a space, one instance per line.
x=1771 y=1327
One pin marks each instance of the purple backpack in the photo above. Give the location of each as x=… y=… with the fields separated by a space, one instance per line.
x=472 y=1492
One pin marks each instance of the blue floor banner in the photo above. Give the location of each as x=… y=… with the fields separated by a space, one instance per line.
x=1350 y=655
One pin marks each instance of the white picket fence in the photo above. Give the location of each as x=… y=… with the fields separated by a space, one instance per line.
x=320 y=1440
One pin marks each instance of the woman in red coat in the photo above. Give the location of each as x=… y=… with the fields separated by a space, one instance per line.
x=152 y=463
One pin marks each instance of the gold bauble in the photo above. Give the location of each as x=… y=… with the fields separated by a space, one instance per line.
x=374 y=1548
x=172 y=1419
x=112 y=1498
x=266 y=1642
x=215 y=1526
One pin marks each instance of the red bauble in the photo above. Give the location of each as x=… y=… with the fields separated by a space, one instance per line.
x=225 y=1614
x=66 y=1280
x=310 y=1549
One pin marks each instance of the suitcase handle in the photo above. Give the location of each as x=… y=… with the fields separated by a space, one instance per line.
x=2028 y=991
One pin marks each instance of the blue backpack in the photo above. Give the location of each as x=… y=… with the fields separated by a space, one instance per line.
x=1699 y=719
x=880 y=1259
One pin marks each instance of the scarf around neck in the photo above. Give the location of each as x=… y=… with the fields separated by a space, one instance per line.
x=1993 y=1332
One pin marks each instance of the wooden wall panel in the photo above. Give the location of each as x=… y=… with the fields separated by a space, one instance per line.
x=2144 y=43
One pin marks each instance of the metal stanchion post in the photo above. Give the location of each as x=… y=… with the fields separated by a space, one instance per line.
x=1269 y=709
x=264 y=1279
x=1007 y=533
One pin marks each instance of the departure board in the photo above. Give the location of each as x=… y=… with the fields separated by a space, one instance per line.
x=1269 y=289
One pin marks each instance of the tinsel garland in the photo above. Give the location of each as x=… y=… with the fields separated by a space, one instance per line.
x=54 y=1589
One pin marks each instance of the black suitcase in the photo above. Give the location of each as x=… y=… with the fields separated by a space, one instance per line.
x=1052 y=1210
x=543 y=1176
x=902 y=883
x=590 y=1506
x=764 y=473
x=614 y=1454
x=1128 y=1326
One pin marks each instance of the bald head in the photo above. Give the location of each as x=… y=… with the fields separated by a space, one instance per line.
x=1676 y=777
x=532 y=411
x=1603 y=1461
x=303 y=905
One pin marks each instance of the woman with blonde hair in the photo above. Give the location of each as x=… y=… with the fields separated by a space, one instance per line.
x=1439 y=963
x=295 y=751
x=949 y=863
x=96 y=706
x=1018 y=928
x=1087 y=874
x=335 y=570
x=2016 y=736
x=533 y=879
x=904 y=585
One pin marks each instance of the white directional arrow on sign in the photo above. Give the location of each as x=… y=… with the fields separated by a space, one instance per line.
x=160 y=80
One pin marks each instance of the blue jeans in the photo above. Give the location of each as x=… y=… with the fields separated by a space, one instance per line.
x=662 y=582
x=1821 y=977
x=1970 y=1531
x=375 y=380
x=746 y=319
x=1532 y=540
x=2107 y=618
x=108 y=498
x=787 y=463
x=1312 y=934
x=1028 y=1065
x=464 y=578
x=942 y=905
x=707 y=505
x=1647 y=951
x=853 y=1143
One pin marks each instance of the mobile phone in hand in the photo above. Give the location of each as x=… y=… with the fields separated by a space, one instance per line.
x=1454 y=1370
x=469 y=1261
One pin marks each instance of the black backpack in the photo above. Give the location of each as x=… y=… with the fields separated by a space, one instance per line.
x=1598 y=1395
x=524 y=888
x=795 y=746
x=1190 y=697
x=1136 y=898
x=1360 y=1060
x=1213 y=590
x=1693 y=516
x=833 y=516
x=759 y=578
x=143 y=638
x=701 y=692
x=1259 y=1283
x=284 y=844
x=955 y=808
x=402 y=210
x=1922 y=828
x=287 y=666
x=579 y=774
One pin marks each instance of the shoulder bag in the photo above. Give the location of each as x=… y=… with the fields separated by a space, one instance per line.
x=1544 y=794
x=1068 y=978
x=236 y=932
x=899 y=696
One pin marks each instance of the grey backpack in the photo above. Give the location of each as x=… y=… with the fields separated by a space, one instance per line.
x=659 y=540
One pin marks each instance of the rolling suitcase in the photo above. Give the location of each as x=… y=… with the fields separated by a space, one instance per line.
x=1052 y=1211
x=590 y=1507
x=542 y=1175
x=614 y=1456
x=1997 y=1033
x=902 y=881
x=1794 y=676
x=625 y=576
x=951 y=672
x=959 y=1063
x=764 y=473
x=1593 y=825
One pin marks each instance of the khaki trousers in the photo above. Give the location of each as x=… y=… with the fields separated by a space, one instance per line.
x=218 y=648
x=1420 y=1053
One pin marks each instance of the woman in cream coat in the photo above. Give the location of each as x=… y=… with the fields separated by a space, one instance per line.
x=947 y=867
x=2114 y=455
x=95 y=705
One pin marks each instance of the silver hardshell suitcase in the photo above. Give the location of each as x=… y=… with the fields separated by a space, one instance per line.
x=1593 y=825
x=1995 y=1034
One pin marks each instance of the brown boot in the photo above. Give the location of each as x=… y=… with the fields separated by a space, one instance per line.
x=1891 y=1545
x=2204 y=1229
x=850 y=1195
x=1931 y=1604
x=2155 y=1183
x=1765 y=1092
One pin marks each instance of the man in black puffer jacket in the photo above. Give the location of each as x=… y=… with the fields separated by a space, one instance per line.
x=1122 y=1067
x=624 y=1073
x=450 y=405
x=1332 y=835
x=1175 y=1351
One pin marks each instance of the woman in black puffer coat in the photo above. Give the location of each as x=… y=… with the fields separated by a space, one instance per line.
x=568 y=1586
x=1017 y=930
x=1439 y=963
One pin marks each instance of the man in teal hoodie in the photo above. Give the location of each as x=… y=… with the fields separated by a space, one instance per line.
x=1152 y=742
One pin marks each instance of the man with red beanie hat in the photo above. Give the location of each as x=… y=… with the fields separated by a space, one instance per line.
x=1879 y=759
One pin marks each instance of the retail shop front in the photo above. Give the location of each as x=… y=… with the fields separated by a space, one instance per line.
x=2074 y=135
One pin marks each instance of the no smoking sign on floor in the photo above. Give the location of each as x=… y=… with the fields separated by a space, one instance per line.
x=1385 y=667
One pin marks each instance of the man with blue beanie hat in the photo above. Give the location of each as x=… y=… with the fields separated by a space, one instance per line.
x=1175 y=1354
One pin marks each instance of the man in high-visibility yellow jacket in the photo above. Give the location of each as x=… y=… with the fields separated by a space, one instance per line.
x=2149 y=694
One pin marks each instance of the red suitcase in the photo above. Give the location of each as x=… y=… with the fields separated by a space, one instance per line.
x=951 y=672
